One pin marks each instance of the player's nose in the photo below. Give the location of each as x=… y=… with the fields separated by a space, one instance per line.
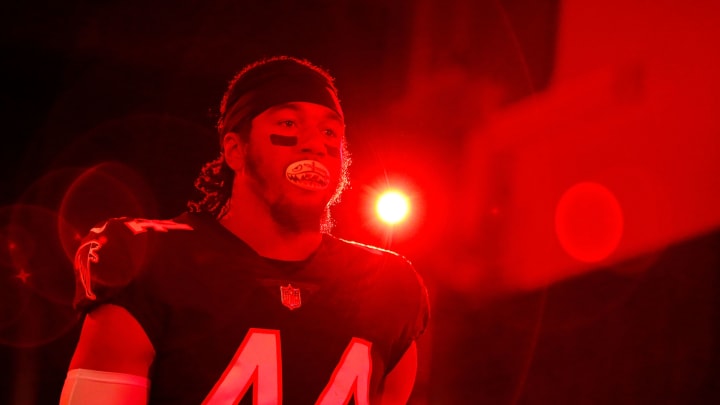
x=312 y=141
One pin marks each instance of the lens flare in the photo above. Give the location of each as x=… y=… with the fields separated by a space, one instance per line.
x=589 y=222
x=392 y=207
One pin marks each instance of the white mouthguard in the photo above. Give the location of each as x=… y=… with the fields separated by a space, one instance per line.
x=308 y=174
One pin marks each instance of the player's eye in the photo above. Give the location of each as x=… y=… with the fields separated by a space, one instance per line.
x=287 y=123
x=330 y=132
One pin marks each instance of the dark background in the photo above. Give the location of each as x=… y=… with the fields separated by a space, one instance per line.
x=131 y=88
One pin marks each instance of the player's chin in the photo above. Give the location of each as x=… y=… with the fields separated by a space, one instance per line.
x=313 y=202
x=296 y=211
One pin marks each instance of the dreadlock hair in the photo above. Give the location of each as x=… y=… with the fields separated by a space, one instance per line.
x=252 y=90
x=215 y=182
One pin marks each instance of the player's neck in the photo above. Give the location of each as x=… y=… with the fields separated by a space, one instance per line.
x=258 y=228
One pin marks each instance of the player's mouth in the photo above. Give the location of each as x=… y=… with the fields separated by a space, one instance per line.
x=308 y=174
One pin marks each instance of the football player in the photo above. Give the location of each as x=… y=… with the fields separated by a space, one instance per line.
x=248 y=297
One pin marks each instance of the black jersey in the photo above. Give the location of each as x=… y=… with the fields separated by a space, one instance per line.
x=228 y=325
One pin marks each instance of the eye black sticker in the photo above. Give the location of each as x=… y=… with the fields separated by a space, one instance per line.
x=283 y=140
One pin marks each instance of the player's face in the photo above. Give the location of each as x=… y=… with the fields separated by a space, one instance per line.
x=294 y=156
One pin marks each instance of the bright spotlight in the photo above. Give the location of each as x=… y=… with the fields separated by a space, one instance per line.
x=392 y=207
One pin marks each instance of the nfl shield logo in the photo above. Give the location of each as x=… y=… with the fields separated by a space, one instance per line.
x=290 y=296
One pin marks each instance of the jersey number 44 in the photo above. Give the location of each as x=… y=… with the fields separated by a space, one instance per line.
x=257 y=363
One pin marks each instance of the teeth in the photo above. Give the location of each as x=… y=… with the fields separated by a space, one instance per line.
x=308 y=174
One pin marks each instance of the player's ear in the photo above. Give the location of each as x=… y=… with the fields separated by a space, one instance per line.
x=234 y=151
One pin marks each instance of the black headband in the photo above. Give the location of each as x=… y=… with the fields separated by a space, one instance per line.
x=279 y=86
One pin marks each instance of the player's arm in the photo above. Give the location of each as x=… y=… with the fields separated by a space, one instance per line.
x=111 y=361
x=400 y=381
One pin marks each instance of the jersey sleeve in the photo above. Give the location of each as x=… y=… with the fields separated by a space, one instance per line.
x=416 y=312
x=114 y=265
x=130 y=262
